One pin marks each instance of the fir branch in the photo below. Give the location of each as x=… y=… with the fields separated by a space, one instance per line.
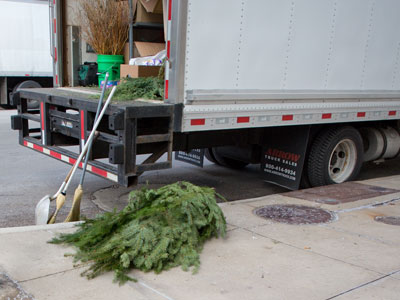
x=157 y=230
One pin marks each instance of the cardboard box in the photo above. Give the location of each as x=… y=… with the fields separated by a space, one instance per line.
x=150 y=11
x=141 y=49
x=139 y=71
x=152 y=6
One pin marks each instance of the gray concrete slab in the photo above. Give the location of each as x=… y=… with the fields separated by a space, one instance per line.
x=390 y=182
x=71 y=285
x=244 y=265
x=26 y=255
x=282 y=199
x=367 y=227
x=248 y=266
x=353 y=256
x=396 y=275
x=386 y=288
x=349 y=248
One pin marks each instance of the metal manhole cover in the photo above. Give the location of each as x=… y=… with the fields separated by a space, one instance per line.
x=388 y=220
x=295 y=214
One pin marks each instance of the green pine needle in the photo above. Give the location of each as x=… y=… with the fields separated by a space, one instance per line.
x=157 y=230
x=151 y=88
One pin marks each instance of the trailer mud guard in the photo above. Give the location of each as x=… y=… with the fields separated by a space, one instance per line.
x=284 y=155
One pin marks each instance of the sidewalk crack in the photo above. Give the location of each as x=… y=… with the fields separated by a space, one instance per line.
x=48 y=275
x=364 y=284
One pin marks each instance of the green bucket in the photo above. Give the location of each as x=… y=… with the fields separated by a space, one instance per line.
x=110 y=64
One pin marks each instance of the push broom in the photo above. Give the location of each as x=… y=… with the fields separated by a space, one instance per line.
x=42 y=208
x=75 y=212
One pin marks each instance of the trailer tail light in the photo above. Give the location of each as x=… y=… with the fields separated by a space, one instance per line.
x=326 y=116
x=361 y=115
x=197 y=122
x=243 y=119
x=392 y=113
x=287 y=118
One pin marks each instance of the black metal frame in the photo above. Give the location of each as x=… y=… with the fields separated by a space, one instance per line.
x=126 y=130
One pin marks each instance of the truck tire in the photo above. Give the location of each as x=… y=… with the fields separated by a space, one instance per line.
x=28 y=84
x=210 y=156
x=336 y=156
x=228 y=162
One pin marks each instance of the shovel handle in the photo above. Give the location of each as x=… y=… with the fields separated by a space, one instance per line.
x=65 y=180
x=88 y=142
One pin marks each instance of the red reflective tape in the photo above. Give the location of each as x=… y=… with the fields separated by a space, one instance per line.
x=99 y=171
x=73 y=160
x=361 y=115
x=166 y=89
x=55 y=154
x=392 y=113
x=197 y=122
x=287 y=117
x=243 y=119
x=42 y=114
x=326 y=116
x=55 y=54
x=170 y=10
x=36 y=147
x=55 y=26
x=83 y=125
x=26 y=143
x=56 y=79
x=169 y=49
x=27 y=75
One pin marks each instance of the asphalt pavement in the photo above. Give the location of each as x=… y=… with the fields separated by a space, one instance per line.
x=26 y=176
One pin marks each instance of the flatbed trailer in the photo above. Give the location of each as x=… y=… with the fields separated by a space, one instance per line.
x=322 y=98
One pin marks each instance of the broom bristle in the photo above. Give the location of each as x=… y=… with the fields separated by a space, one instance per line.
x=75 y=212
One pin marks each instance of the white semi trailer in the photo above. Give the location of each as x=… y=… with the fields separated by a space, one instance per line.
x=310 y=89
x=25 y=59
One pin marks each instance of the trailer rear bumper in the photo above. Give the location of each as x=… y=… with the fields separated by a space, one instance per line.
x=69 y=157
x=63 y=123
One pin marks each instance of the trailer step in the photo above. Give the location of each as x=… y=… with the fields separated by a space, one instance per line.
x=153 y=138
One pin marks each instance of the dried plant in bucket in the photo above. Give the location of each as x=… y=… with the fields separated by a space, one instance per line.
x=105 y=25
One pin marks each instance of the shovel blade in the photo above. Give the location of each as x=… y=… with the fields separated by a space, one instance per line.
x=42 y=211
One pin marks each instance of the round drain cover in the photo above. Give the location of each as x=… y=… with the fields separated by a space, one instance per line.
x=389 y=220
x=295 y=214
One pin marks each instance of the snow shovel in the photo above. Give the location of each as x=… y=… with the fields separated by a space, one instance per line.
x=75 y=212
x=42 y=208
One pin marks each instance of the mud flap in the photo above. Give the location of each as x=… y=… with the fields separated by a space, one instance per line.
x=193 y=157
x=283 y=156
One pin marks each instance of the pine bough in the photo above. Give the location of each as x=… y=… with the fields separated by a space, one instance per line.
x=157 y=230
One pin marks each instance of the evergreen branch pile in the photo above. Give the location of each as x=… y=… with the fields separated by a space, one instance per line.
x=157 y=230
x=135 y=88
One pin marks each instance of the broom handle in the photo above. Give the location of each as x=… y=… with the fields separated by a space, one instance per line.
x=64 y=182
x=85 y=148
x=103 y=90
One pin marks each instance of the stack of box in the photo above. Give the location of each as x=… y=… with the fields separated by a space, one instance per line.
x=147 y=11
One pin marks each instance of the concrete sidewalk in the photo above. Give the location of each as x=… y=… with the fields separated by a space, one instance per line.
x=351 y=257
